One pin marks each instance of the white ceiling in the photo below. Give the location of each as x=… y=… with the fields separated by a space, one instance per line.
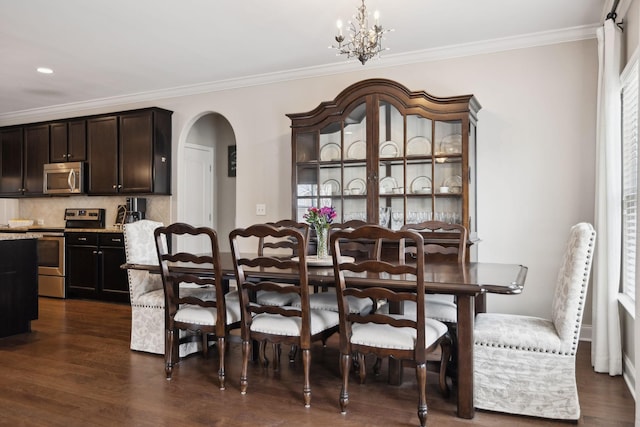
x=105 y=49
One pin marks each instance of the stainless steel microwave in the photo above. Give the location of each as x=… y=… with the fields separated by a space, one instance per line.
x=64 y=178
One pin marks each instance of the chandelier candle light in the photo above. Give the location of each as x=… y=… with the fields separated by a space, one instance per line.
x=320 y=219
x=365 y=43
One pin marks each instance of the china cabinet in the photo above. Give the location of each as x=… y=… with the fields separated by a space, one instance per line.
x=382 y=153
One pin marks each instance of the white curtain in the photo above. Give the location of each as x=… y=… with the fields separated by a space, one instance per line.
x=606 y=349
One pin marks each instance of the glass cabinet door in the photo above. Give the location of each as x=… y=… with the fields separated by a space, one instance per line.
x=383 y=154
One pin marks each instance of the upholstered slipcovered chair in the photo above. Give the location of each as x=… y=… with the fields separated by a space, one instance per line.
x=526 y=365
x=146 y=293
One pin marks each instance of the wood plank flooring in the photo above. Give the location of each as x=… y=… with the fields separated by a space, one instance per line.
x=75 y=369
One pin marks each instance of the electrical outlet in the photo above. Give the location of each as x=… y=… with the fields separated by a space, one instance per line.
x=261 y=209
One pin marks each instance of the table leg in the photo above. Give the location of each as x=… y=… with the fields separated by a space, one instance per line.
x=466 y=314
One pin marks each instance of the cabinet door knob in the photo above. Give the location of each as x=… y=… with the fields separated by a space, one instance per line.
x=115 y=186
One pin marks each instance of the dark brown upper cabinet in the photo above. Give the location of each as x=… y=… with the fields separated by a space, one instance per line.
x=68 y=141
x=11 y=147
x=24 y=151
x=130 y=152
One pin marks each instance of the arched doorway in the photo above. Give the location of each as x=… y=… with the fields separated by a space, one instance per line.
x=207 y=194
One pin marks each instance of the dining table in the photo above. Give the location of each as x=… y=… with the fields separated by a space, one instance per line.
x=468 y=282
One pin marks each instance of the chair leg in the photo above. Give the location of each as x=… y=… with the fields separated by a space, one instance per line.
x=377 y=366
x=221 y=346
x=205 y=344
x=277 y=351
x=445 y=354
x=363 y=368
x=306 y=390
x=421 y=375
x=345 y=362
x=169 y=352
x=452 y=365
x=263 y=354
x=292 y=353
x=245 y=366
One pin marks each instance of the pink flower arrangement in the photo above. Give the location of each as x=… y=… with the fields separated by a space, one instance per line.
x=320 y=218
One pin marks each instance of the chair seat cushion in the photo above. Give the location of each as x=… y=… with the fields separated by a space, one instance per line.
x=438 y=309
x=275 y=298
x=156 y=298
x=329 y=301
x=208 y=315
x=291 y=326
x=387 y=336
x=516 y=332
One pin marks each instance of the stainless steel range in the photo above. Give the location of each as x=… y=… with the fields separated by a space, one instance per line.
x=84 y=218
x=51 y=249
x=51 y=263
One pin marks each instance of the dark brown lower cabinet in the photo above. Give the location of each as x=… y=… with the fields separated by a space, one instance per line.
x=18 y=285
x=93 y=266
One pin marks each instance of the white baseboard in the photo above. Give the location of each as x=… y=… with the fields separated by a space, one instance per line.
x=629 y=375
x=628 y=370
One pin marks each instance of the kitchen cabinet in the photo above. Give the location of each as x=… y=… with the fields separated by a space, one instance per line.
x=24 y=151
x=127 y=152
x=130 y=153
x=68 y=141
x=36 y=155
x=18 y=285
x=11 y=147
x=93 y=266
x=102 y=155
x=384 y=154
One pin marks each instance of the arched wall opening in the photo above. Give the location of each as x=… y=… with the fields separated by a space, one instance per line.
x=207 y=197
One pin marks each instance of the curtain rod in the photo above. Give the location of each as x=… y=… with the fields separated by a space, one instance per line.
x=612 y=14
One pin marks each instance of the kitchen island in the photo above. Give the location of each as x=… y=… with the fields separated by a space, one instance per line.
x=18 y=282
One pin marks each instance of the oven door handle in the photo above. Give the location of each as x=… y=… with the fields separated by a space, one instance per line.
x=71 y=179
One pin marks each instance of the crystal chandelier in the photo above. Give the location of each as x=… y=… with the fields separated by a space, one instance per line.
x=364 y=43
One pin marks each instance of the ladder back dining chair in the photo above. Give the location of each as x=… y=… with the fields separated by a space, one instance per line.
x=403 y=337
x=296 y=326
x=212 y=316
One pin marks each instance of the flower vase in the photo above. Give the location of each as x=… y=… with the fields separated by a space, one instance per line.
x=322 y=249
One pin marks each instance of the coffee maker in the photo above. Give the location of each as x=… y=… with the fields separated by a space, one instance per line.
x=136 y=209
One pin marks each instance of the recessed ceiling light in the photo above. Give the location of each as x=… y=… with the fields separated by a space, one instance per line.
x=45 y=70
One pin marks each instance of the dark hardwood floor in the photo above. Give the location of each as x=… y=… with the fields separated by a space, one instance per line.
x=75 y=369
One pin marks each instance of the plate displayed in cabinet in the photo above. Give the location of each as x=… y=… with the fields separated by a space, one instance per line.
x=330 y=187
x=387 y=184
x=357 y=186
x=329 y=152
x=357 y=150
x=389 y=149
x=454 y=183
x=421 y=185
x=419 y=146
x=451 y=144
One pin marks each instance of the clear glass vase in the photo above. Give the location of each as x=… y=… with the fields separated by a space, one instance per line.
x=322 y=247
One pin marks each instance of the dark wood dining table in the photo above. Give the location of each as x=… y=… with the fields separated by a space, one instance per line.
x=467 y=282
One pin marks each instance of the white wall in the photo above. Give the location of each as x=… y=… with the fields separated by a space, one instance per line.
x=536 y=147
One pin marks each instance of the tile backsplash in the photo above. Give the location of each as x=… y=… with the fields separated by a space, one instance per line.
x=50 y=210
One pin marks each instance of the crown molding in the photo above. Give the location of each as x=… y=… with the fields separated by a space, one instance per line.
x=391 y=60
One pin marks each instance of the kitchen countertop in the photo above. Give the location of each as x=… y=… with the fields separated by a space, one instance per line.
x=42 y=229
x=18 y=236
